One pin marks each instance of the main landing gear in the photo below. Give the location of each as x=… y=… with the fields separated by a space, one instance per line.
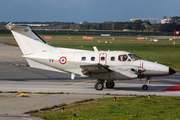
x=145 y=87
x=110 y=84
x=100 y=84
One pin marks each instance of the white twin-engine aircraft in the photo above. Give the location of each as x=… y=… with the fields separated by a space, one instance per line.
x=102 y=65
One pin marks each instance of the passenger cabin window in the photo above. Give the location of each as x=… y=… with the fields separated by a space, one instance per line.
x=92 y=58
x=112 y=58
x=134 y=57
x=83 y=59
x=122 y=57
x=102 y=58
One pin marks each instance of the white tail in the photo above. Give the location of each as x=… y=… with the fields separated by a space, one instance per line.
x=28 y=41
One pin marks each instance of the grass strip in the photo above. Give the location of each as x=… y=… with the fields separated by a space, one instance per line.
x=140 y=107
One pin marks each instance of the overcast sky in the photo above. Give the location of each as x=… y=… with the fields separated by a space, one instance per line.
x=85 y=10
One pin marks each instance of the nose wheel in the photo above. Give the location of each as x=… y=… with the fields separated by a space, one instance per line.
x=145 y=87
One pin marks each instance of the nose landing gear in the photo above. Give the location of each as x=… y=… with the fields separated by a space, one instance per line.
x=145 y=87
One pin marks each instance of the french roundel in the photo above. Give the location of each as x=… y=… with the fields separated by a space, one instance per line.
x=63 y=60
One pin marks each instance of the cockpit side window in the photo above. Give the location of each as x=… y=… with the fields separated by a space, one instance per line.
x=134 y=57
x=122 y=57
x=129 y=59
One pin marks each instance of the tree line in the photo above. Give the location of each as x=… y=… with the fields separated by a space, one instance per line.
x=137 y=25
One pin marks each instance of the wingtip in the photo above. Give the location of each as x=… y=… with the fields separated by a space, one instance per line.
x=10 y=26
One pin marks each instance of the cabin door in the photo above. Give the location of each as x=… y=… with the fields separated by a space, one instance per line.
x=103 y=58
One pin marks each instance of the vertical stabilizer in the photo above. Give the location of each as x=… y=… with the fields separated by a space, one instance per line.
x=28 y=41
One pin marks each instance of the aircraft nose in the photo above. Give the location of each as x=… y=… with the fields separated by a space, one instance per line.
x=171 y=71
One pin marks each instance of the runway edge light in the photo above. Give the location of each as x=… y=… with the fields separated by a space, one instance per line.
x=114 y=99
x=62 y=109
x=149 y=96
x=74 y=115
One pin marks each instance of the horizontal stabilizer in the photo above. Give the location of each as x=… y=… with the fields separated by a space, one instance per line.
x=38 y=65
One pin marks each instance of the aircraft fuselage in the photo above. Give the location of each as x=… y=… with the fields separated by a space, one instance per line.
x=121 y=69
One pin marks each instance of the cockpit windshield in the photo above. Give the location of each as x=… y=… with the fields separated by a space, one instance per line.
x=134 y=57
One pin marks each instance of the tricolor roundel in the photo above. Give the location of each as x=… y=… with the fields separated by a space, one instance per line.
x=62 y=60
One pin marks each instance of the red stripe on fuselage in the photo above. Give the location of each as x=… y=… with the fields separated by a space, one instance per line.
x=142 y=67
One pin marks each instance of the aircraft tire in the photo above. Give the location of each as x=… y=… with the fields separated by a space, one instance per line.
x=110 y=84
x=144 y=87
x=99 y=86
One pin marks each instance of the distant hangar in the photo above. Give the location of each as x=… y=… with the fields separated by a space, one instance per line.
x=166 y=19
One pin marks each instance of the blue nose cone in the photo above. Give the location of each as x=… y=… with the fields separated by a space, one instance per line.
x=171 y=71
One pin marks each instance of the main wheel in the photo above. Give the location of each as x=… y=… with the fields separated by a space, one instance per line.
x=110 y=84
x=99 y=86
x=144 y=87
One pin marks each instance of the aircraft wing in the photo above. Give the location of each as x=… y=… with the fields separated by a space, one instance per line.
x=96 y=68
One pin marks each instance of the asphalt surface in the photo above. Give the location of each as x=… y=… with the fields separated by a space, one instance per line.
x=16 y=75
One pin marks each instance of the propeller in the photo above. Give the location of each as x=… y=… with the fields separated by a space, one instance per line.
x=139 y=71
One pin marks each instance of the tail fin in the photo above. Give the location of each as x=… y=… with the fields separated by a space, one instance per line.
x=28 y=41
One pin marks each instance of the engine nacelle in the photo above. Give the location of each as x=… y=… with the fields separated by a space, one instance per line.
x=125 y=72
